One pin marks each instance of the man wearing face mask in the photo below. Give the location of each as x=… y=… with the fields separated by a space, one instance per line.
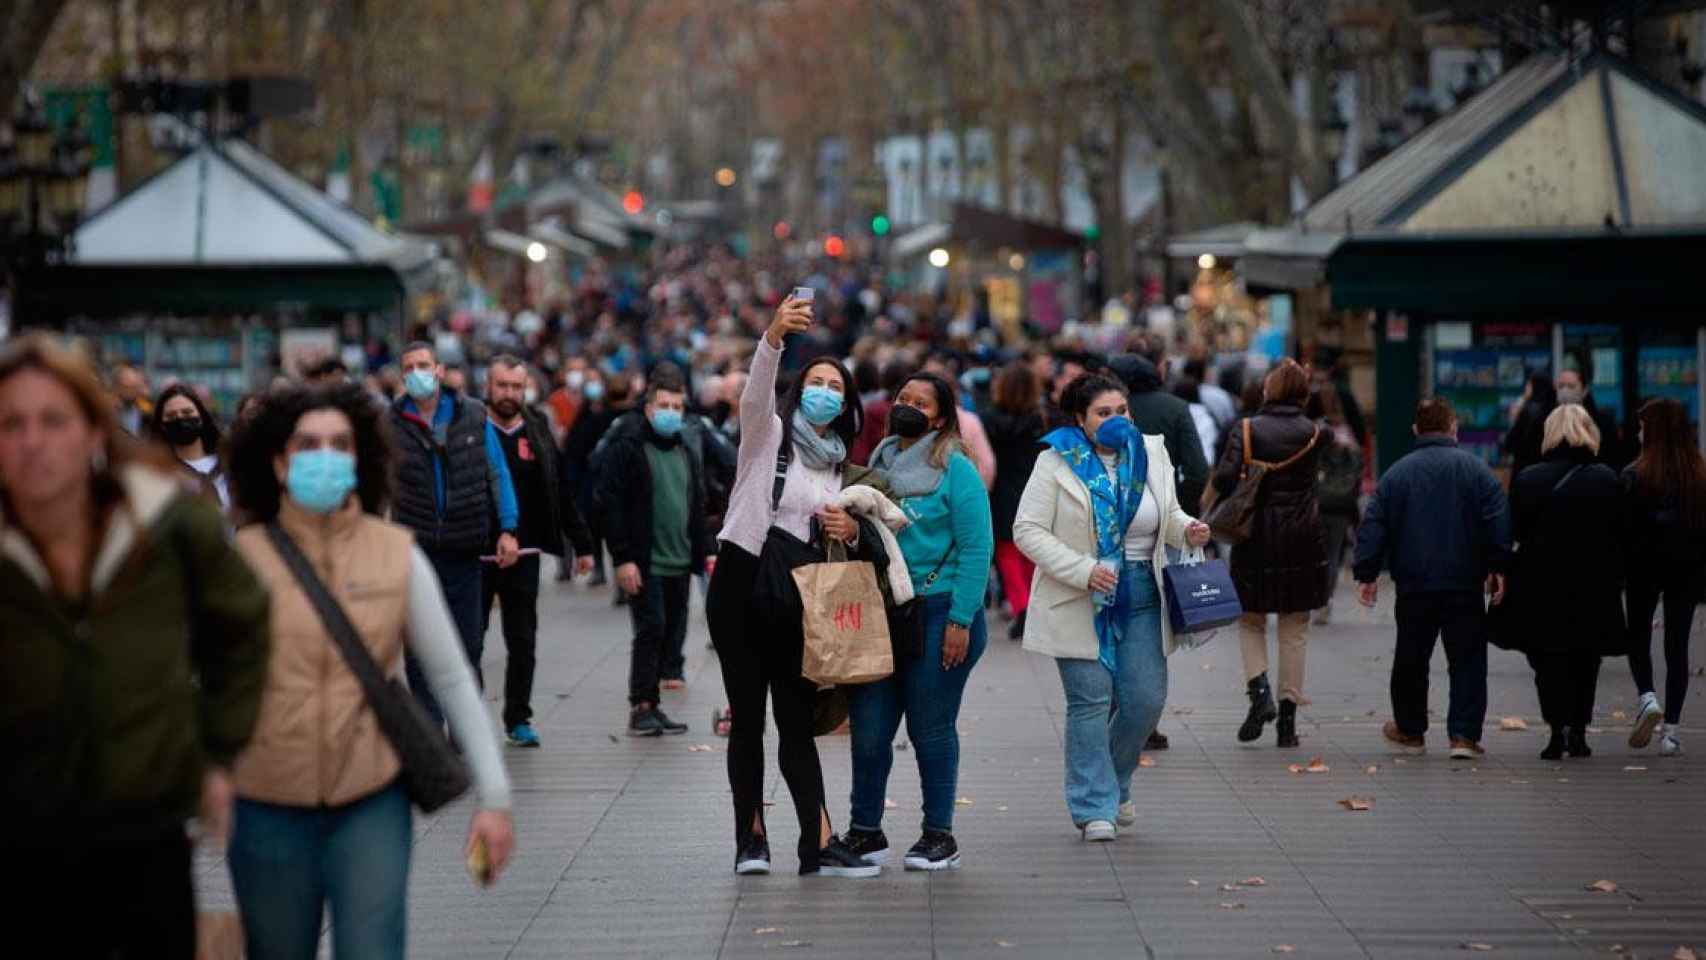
x=548 y=516
x=452 y=478
x=649 y=492
x=1573 y=389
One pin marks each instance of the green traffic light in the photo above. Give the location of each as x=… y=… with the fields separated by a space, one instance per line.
x=1093 y=231
x=880 y=225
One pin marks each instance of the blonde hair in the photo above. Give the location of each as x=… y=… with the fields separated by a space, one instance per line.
x=1570 y=426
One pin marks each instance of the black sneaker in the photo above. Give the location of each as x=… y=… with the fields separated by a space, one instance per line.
x=869 y=845
x=836 y=860
x=754 y=858
x=653 y=723
x=934 y=851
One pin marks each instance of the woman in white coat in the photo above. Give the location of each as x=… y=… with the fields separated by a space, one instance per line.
x=1095 y=517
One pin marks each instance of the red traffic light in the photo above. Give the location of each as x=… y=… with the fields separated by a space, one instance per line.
x=781 y=230
x=633 y=201
x=834 y=246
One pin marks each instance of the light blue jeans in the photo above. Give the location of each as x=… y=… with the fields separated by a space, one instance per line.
x=1109 y=716
x=287 y=863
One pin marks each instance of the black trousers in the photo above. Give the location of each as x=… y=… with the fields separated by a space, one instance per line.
x=659 y=615
x=517 y=588
x=759 y=657
x=1681 y=595
x=120 y=896
x=459 y=576
x=1423 y=618
x=1566 y=682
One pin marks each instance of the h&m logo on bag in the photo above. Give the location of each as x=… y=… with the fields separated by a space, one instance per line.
x=849 y=616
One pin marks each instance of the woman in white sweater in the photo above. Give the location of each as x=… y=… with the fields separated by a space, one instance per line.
x=1098 y=509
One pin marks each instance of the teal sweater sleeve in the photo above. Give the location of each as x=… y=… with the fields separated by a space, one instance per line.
x=974 y=538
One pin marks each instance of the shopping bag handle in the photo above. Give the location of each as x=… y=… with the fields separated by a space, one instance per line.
x=1191 y=556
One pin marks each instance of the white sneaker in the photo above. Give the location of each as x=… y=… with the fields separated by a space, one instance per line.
x=1127 y=815
x=1646 y=721
x=1669 y=743
x=1100 y=831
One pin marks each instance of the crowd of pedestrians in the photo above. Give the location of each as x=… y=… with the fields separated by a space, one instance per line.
x=704 y=427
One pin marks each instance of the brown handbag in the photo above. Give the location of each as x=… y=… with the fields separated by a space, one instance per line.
x=1233 y=518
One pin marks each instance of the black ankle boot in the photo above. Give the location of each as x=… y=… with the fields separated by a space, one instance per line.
x=1578 y=743
x=1287 y=726
x=1555 y=746
x=1262 y=710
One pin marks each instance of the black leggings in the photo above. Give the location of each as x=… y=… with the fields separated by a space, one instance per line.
x=1680 y=597
x=1566 y=682
x=759 y=656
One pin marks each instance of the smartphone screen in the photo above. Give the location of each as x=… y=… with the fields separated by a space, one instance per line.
x=804 y=294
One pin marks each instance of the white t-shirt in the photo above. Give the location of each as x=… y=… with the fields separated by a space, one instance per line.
x=1146 y=525
x=205 y=466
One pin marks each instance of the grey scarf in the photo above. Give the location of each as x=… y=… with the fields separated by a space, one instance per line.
x=818 y=453
x=909 y=472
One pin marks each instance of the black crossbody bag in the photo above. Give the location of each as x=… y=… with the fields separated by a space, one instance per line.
x=432 y=774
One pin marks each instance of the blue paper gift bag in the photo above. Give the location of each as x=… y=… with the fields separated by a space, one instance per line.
x=1200 y=596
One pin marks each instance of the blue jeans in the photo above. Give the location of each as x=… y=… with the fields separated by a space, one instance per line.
x=461 y=578
x=288 y=862
x=930 y=698
x=1109 y=716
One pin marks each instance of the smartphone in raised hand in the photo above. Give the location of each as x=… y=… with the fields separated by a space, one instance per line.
x=804 y=295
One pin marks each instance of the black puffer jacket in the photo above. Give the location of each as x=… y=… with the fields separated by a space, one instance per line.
x=1155 y=411
x=622 y=497
x=1282 y=568
x=1572 y=543
x=1016 y=440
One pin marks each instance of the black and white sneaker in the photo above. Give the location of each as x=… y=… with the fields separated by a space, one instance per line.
x=836 y=860
x=653 y=722
x=869 y=845
x=754 y=858
x=934 y=851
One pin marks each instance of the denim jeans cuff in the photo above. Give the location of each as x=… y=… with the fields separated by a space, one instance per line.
x=852 y=825
x=929 y=829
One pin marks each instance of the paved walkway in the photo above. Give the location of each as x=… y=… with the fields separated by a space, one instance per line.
x=625 y=846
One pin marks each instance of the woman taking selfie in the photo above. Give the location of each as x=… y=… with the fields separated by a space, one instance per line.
x=948 y=548
x=773 y=510
x=321 y=814
x=1666 y=492
x=1095 y=517
x=117 y=587
x=183 y=421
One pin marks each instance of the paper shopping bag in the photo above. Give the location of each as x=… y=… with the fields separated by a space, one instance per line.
x=1200 y=596
x=847 y=633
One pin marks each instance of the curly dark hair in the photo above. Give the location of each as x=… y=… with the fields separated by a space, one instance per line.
x=261 y=437
x=1083 y=391
x=209 y=425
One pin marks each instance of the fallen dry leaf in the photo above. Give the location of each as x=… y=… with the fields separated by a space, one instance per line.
x=1633 y=769
x=1295 y=768
x=1208 y=666
x=1317 y=765
x=1004 y=944
x=1357 y=803
x=762 y=931
x=1373 y=769
x=1684 y=953
x=1602 y=886
x=1619 y=715
x=1194 y=883
x=699 y=748
x=1146 y=761
x=1001 y=809
x=1519 y=781
x=964 y=802
x=1252 y=882
x=1232 y=906
x=1618 y=948
x=1228 y=888
x=1284 y=948
x=1512 y=723
x=1399 y=761
x=1478 y=947
x=796 y=943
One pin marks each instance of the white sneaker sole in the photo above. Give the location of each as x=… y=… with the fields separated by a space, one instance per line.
x=931 y=866
x=1125 y=819
x=878 y=857
x=747 y=868
x=1645 y=724
x=1669 y=748
x=1101 y=835
x=855 y=873
x=1464 y=753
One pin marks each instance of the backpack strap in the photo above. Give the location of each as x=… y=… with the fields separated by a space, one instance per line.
x=784 y=454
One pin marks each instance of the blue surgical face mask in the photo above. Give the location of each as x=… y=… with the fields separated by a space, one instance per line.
x=420 y=383
x=820 y=405
x=320 y=480
x=1116 y=432
x=666 y=422
x=594 y=390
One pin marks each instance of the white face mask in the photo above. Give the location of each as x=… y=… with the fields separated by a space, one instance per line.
x=1568 y=395
x=530 y=396
x=575 y=379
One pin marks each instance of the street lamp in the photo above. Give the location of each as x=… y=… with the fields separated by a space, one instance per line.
x=44 y=181
x=939 y=257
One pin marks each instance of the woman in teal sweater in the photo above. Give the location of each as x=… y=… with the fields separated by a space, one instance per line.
x=948 y=549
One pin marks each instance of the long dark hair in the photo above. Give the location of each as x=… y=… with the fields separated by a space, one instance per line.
x=948 y=408
x=1017 y=390
x=209 y=426
x=258 y=439
x=847 y=424
x=1670 y=463
x=1542 y=391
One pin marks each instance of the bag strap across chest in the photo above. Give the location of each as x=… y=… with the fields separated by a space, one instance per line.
x=1269 y=467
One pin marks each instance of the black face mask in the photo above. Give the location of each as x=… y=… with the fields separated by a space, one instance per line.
x=182 y=431
x=908 y=423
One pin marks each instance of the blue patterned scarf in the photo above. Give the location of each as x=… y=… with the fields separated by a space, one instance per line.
x=1112 y=507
